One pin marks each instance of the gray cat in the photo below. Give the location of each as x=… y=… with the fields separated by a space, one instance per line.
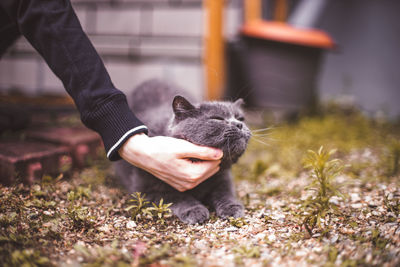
x=213 y=124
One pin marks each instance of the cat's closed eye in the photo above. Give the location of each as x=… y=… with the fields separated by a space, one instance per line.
x=240 y=118
x=217 y=118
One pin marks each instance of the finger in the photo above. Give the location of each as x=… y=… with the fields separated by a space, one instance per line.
x=180 y=186
x=208 y=175
x=200 y=152
x=174 y=182
x=202 y=171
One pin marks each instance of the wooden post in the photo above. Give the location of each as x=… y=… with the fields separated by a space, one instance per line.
x=280 y=13
x=214 y=55
x=252 y=10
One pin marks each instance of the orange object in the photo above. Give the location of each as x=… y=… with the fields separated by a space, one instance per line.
x=252 y=10
x=282 y=32
x=281 y=11
x=214 y=50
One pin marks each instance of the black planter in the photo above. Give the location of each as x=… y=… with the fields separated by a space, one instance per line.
x=273 y=74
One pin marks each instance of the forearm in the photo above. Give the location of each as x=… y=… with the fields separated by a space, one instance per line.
x=53 y=29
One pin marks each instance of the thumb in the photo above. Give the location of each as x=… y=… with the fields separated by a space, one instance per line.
x=201 y=152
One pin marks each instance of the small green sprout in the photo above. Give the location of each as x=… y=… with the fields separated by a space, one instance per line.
x=154 y=254
x=161 y=211
x=323 y=174
x=237 y=222
x=378 y=241
x=392 y=205
x=80 y=217
x=80 y=193
x=28 y=257
x=248 y=252
x=138 y=206
x=392 y=159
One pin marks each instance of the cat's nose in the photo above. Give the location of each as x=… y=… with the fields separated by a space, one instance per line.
x=238 y=124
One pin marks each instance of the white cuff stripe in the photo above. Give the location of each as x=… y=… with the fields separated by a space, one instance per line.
x=123 y=137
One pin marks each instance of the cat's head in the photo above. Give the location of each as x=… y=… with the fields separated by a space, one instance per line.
x=214 y=124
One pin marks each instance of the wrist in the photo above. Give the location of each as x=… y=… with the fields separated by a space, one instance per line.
x=134 y=147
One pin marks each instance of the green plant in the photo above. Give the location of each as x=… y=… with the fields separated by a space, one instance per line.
x=80 y=216
x=79 y=193
x=160 y=211
x=104 y=256
x=155 y=254
x=378 y=241
x=182 y=261
x=248 y=252
x=28 y=258
x=237 y=222
x=392 y=159
x=323 y=172
x=392 y=205
x=139 y=205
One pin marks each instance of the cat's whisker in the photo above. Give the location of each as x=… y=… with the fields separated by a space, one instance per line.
x=262 y=134
x=262 y=129
x=261 y=142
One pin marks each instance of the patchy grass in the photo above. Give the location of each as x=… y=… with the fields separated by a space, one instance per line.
x=87 y=220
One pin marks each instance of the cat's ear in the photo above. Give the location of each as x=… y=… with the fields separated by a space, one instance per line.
x=239 y=103
x=182 y=107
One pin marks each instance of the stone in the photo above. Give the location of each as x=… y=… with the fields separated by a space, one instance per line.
x=82 y=143
x=30 y=160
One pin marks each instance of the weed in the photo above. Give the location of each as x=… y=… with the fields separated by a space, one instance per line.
x=139 y=205
x=80 y=217
x=323 y=174
x=104 y=256
x=237 y=222
x=378 y=241
x=248 y=252
x=392 y=205
x=182 y=261
x=27 y=257
x=79 y=193
x=391 y=159
x=155 y=254
x=160 y=211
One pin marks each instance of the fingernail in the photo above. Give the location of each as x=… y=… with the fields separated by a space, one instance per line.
x=219 y=154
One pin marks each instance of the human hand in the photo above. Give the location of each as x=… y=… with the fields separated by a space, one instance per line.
x=168 y=159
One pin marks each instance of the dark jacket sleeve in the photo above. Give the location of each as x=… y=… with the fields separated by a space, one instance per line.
x=53 y=29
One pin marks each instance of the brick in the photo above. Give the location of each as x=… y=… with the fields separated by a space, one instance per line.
x=21 y=74
x=188 y=76
x=81 y=13
x=118 y=21
x=112 y=45
x=178 y=22
x=146 y=23
x=82 y=143
x=51 y=83
x=22 y=45
x=30 y=160
x=171 y=47
x=127 y=76
x=232 y=21
x=5 y=72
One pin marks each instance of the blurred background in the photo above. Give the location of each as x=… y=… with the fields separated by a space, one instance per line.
x=277 y=54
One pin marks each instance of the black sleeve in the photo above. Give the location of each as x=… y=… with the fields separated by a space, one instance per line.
x=53 y=29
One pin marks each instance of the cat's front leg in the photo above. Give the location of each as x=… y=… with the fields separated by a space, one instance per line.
x=188 y=209
x=222 y=198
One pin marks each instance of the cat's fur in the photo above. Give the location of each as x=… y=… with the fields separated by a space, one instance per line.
x=213 y=124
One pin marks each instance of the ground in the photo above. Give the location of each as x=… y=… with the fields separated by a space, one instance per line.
x=84 y=219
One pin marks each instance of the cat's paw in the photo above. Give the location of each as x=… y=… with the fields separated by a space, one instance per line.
x=195 y=214
x=231 y=210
